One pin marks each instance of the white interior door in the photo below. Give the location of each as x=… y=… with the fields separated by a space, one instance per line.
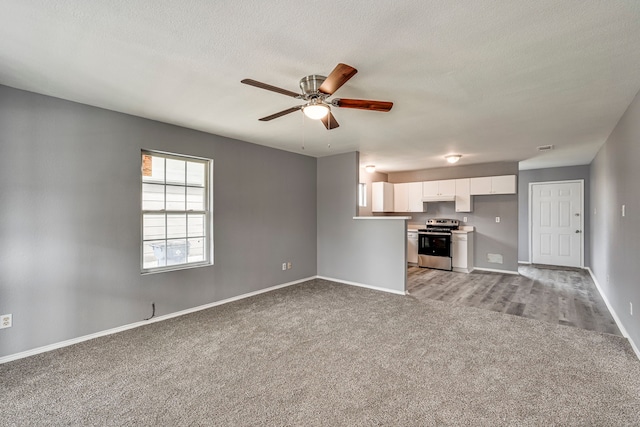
x=556 y=223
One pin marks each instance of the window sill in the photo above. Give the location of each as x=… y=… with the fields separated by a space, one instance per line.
x=176 y=268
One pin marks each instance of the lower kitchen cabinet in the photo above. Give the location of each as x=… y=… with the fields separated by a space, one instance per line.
x=462 y=252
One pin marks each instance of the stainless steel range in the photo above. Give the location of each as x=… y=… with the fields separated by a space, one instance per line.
x=434 y=243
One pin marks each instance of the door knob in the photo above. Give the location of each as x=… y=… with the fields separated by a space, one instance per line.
x=578 y=231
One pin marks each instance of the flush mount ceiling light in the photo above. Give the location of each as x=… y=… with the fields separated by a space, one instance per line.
x=315 y=110
x=453 y=158
x=370 y=168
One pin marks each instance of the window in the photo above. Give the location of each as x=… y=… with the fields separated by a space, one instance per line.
x=362 y=194
x=175 y=212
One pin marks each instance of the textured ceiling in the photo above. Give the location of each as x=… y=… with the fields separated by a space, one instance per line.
x=491 y=80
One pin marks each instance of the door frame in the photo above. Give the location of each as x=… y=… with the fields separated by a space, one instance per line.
x=568 y=181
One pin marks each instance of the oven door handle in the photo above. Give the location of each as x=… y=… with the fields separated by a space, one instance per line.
x=429 y=233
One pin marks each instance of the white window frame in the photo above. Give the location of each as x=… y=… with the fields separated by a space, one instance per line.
x=362 y=195
x=207 y=212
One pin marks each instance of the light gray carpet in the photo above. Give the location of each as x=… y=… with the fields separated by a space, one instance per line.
x=321 y=353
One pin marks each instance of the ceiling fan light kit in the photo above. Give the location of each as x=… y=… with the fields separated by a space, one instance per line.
x=316 y=90
x=315 y=111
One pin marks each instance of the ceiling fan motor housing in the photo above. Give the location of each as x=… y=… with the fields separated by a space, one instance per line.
x=310 y=86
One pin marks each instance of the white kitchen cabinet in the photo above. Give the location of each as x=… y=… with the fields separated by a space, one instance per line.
x=463 y=195
x=434 y=189
x=407 y=197
x=415 y=197
x=462 y=252
x=401 y=197
x=504 y=184
x=429 y=188
x=480 y=186
x=381 y=197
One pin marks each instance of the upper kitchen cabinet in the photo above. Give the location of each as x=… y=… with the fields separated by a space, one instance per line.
x=407 y=197
x=382 y=197
x=505 y=184
x=439 y=190
x=415 y=197
x=401 y=197
x=463 y=195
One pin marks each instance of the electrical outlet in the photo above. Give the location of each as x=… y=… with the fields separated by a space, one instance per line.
x=288 y=266
x=630 y=308
x=497 y=219
x=284 y=266
x=624 y=208
x=5 y=321
x=464 y=219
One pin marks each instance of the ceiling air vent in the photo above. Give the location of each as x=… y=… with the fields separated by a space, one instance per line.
x=545 y=148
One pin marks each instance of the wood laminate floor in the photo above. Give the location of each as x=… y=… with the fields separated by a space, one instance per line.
x=563 y=296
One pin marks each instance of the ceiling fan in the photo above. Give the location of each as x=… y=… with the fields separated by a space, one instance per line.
x=316 y=90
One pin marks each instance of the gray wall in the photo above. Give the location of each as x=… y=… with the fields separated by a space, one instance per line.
x=545 y=175
x=491 y=237
x=371 y=252
x=615 y=240
x=70 y=220
x=452 y=172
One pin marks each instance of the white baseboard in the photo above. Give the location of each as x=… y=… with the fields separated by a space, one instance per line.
x=524 y=262
x=362 y=285
x=72 y=341
x=494 y=270
x=613 y=313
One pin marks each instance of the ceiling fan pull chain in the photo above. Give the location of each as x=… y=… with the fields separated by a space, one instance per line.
x=329 y=133
x=303 y=132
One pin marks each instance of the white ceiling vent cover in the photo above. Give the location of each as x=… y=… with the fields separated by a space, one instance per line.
x=545 y=148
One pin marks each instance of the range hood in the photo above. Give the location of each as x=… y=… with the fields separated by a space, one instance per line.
x=440 y=198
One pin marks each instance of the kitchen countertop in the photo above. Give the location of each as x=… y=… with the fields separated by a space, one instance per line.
x=404 y=218
x=464 y=229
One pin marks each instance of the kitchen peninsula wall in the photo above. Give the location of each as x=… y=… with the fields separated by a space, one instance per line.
x=368 y=253
x=491 y=237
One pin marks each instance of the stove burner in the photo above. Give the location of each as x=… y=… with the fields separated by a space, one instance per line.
x=438 y=229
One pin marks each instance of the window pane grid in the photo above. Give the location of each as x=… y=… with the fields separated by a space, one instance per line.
x=175 y=216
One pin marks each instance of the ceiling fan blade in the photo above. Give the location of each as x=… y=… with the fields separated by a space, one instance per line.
x=363 y=104
x=329 y=121
x=337 y=78
x=280 y=114
x=261 y=85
